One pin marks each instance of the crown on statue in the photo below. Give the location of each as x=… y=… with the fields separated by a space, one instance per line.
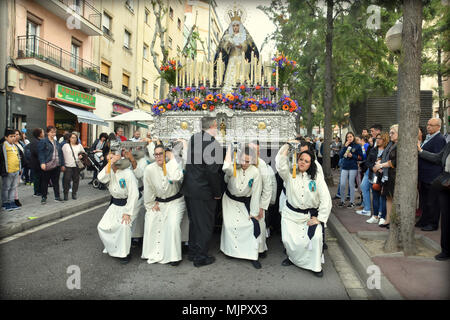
x=235 y=15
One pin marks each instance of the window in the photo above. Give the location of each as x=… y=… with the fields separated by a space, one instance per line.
x=171 y=13
x=107 y=24
x=145 y=53
x=170 y=42
x=126 y=39
x=147 y=16
x=129 y=5
x=144 y=86
x=75 y=55
x=125 y=84
x=104 y=71
x=179 y=24
x=32 y=38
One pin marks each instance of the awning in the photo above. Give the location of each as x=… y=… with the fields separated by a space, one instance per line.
x=82 y=115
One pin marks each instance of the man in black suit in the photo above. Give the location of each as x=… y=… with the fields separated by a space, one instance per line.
x=428 y=171
x=202 y=187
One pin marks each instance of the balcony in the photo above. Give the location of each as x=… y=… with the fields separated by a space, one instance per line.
x=44 y=57
x=84 y=16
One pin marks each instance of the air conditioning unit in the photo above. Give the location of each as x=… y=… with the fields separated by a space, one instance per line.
x=12 y=77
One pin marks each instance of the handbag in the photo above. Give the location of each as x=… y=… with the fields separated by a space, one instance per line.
x=78 y=162
x=52 y=164
x=442 y=181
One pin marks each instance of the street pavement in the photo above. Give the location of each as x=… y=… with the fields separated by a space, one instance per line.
x=35 y=266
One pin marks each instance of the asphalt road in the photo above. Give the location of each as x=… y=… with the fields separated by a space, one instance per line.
x=35 y=266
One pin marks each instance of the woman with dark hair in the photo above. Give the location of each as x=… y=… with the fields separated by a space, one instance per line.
x=65 y=139
x=99 y=147
x=307 y=209
x=72 y=152
x=35 y=166
x=51 y=160
x=350 y=154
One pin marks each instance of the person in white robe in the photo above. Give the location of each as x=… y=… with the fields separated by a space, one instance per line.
x=114 y=228
x=241 y=210
x=266 y=195
x=138 y=165
x=308 y=205
x=269 y=214
x=165 y=208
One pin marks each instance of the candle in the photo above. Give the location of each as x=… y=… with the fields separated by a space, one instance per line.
x=191 y=82
x=220 y=66
x=276 y=76
x=211 y=74
x=251 y=69
x=269 y=73
x=176 y=71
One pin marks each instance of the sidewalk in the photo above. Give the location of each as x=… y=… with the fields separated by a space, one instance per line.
x=33 y=213
x=412 y=278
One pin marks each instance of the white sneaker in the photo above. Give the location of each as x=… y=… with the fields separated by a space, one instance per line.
x=364 y=213
x=373 y=219
x=382 y=221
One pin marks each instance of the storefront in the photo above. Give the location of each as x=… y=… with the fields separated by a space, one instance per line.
x=72 y=110
x=127 y=127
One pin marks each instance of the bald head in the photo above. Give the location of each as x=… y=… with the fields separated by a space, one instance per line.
x=434 y=125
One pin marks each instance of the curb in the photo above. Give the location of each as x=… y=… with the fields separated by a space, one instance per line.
x=13 y=228
x=361 y=261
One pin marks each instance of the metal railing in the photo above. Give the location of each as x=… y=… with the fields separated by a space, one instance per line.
x=35 y=47
x=85 y=10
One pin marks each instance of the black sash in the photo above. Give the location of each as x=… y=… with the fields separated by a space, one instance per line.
x=140 y=191
x=178 y=195
x=246 y=201
x=314 y=213
x=118 y=202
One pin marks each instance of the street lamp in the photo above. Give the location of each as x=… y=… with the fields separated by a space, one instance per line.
x=394 y=37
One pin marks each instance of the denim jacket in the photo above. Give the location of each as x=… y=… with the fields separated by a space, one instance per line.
x=45 y=151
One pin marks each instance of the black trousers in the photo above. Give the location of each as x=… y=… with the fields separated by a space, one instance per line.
x=71 y=174
x=201 y=215
x=444 y=202
x=53 y=176
x=430 y=205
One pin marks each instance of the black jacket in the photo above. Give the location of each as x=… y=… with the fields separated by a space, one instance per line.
x=203 y=180
x=34 y=163
x=370 y=161
x=428 y=171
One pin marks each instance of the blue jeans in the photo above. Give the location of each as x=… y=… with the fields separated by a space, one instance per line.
x=379 y=204
x=365 y=188
x=338 y=194
x=348 y=176
x=9 y=186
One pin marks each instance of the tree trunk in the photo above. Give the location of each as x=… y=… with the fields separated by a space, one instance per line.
x=328 y=101
x=309 y=125
x=409 y=99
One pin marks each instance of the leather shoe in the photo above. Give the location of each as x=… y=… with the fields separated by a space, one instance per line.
x=325 y=246
x=428 y=228
x=419 y=224
x=204 y=262
x=256 y=264
x=286 y=262
x=175 y=263
x=125 y=260
x=442 y=256
x=318 y=274
x=262 y=255
x=74 y=196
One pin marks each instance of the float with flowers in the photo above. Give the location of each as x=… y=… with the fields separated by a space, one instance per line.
x=256 y=106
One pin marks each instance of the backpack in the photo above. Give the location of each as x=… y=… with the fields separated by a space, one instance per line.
x=27 y=153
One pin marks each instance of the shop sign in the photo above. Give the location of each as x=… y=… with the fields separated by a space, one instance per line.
x=120 y=108
x=74 y=96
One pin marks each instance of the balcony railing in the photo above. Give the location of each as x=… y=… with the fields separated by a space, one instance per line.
x=35 y=47
x=85 y=10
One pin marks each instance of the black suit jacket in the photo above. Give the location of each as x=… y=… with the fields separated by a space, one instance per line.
x=202 y=177
x=428 y=171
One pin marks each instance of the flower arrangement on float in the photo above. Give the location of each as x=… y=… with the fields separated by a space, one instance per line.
x=285 y=68
x=168 y=71
x=241 y=100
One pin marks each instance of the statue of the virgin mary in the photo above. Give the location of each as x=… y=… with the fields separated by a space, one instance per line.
x=234 y=42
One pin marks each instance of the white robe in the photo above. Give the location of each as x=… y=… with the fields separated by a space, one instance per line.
x=302 y=251
x=138 y=225
x=116 y=237
x=237 y=239
x=162 y=235
x=266 y=195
